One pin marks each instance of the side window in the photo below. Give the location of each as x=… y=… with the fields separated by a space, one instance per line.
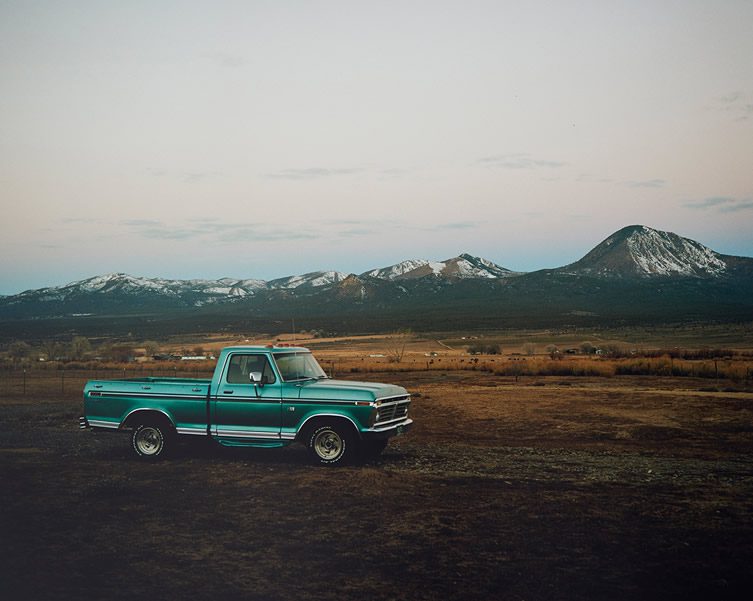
x=268 y=374
x=240 y=366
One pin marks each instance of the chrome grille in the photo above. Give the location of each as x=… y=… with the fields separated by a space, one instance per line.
x=393 y=410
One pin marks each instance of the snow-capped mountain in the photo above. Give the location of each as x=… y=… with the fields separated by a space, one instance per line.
x=637 y=271
x=640 y=251
x=196 y=292
x=307 y=280
x=399 y=270
x=468 y=266
x=200 y=292
x=122 y=284
x=118 y=292
x=462 y=267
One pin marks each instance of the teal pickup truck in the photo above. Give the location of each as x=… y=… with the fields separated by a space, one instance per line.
x=259 y=396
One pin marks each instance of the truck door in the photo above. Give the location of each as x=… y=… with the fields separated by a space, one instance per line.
x=244 y=411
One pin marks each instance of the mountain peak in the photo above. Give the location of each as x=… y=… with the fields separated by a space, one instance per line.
x=466 y=265
x=641 y=251
x=463 y=266
x=312 y=279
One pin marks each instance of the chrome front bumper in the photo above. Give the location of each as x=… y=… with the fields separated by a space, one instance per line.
x=395 y=429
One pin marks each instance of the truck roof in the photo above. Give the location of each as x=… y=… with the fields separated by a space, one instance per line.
x=269 y=348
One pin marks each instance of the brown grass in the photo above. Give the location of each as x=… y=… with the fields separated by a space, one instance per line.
x=554 y=487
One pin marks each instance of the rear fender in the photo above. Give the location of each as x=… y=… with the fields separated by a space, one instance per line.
x=138 y=416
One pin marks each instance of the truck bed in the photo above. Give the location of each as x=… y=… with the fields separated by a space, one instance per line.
x=108 y=403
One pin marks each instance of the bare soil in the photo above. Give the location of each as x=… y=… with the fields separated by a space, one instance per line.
x=548 y=488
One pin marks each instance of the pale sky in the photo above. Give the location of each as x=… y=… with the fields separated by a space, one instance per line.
x=263 y=139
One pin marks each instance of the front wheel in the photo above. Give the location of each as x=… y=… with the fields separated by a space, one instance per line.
x=331 y=444
x=149 y=441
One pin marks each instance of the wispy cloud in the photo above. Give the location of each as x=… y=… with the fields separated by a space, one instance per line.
x=227 y=232
x=350 y=227
x=736 y=103
x=310 y=173
x=647 y=183
x=227 y=60
x=358 y=231
x=188 y=177
x=392 y=174
x=740 y=205
x=590 y=178
x=460 y=225
x=80 y=220
x=216 y=231
x=140 y=222
x=191 y=177
x=722 y=204
x=359 y=227
x=517 y=161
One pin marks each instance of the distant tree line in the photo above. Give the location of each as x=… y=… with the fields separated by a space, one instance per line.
x=484 y=349
x=79 y=348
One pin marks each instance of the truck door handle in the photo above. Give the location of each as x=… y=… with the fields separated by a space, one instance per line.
x=146 y=387
x=227 y=392
x=196 y=390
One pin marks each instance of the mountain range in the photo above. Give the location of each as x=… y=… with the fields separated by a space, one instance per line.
x=638 y=274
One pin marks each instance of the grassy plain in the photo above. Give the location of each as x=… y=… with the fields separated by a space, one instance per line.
x=509 y=487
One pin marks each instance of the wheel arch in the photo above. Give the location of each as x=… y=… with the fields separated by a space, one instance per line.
x=310 y=422
x=144 y=415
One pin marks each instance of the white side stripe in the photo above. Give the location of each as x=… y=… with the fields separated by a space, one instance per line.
x=96 y=423
x=195 y=431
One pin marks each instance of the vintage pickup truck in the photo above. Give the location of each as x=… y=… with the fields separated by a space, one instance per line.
x=258 y=396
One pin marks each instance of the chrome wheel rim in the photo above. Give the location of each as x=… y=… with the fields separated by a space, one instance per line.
x=328 y=445
x=148 y=440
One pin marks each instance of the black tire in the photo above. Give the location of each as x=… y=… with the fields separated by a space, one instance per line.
x=151 y=440
x=332 y=444
x=371 y=449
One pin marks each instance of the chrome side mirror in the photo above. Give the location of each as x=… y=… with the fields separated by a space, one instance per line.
x=255 y=377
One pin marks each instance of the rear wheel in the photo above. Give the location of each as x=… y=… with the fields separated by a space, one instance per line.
x=331 y=444
x=150 y=440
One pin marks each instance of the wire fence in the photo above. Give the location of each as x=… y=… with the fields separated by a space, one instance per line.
x=65 y=381
x=40 y=383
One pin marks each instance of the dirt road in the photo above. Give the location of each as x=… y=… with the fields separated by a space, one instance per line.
x=547 y=489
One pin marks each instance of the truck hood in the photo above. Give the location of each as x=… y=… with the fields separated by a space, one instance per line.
x=347 y=390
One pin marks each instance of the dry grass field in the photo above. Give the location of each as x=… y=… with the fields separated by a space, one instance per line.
x=536 y=487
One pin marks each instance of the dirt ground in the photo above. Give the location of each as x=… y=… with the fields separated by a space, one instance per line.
x=546 y=488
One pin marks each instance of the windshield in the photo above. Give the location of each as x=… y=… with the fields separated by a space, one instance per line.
x=298 y=366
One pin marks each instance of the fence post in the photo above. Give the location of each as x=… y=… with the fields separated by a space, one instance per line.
x=62 y=381
x=24 y=381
